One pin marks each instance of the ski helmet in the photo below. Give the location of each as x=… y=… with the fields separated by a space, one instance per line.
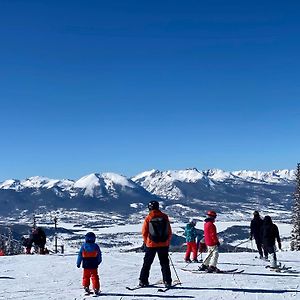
x=153 y=205
x=192 y=221
x=256 y=213
x=212 y=214
x=90 y=237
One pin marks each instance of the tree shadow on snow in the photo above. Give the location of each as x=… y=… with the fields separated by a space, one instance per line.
x=243 y=290
x=273 y=275
x=163 y=295
x=240 y=264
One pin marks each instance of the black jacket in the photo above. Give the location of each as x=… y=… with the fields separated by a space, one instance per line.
x=38 y=237
x=270 y=233
x=255 y=228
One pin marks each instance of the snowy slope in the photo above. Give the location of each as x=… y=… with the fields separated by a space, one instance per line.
x=55 y=277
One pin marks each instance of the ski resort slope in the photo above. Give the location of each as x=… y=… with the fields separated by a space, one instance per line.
x=49 y=277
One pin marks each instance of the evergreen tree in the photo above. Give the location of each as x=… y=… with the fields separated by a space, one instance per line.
x=295 y=239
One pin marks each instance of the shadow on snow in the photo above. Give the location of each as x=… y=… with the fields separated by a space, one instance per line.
x=243 y=290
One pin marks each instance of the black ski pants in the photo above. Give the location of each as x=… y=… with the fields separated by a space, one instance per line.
x=163 y=255
x=261 y=249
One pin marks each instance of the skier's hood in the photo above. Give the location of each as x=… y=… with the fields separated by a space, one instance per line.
x=268 y=220
x=189 y=225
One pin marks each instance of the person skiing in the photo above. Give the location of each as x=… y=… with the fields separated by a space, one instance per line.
x=190 y=236
x=157 y=233
x=255 y=232
x=270 y=233
x=211 y=240
x=90 y=255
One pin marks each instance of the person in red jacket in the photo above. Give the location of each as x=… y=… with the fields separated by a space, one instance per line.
x=157 y=235
x=212 y=242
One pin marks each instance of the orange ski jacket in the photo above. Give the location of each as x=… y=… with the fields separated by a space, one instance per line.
x=145 y=230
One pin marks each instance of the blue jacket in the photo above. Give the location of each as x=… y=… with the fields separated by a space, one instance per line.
x=90 y=255
x=190 y=233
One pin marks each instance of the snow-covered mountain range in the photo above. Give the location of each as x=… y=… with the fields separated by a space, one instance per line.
x=171 y=184
x=182 y=192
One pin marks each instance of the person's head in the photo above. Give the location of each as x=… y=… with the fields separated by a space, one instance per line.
x=90 y=237
x=212 y=214
x=267 y=220
x=255 y=214
x=153 y=205
x=192 y=221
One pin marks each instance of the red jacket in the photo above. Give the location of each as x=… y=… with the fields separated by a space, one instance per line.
x=210 y=232
x=145 y=230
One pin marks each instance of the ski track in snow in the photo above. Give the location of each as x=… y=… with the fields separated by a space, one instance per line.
x=51 y=277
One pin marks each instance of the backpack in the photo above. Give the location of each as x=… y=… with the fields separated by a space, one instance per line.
x=158 y=229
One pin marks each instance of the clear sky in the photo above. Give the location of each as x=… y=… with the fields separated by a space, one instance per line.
x=128 y=86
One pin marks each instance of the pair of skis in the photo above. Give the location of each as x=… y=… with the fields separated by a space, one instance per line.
x=153 y=285
x=280 y=268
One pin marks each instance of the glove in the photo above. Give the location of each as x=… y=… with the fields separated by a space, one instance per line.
x=251 y=238
x=279 y=246
x=218 y=244
x=78 y=266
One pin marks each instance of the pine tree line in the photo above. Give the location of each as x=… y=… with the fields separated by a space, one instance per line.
x=8 y=245
x=295 y=236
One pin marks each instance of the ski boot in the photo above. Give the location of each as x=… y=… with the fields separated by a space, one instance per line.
x=96 y=292
x=143 y=284
x=212 y=269
x=87 y=290
x=203 y=268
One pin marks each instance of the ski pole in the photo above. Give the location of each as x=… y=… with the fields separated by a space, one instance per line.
x=174 y=269
x=209 y=255
x=240 y=244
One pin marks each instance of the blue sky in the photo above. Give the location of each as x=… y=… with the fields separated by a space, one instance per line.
x=127 y=86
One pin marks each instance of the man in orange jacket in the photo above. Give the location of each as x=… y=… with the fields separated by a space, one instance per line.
x=157 y=235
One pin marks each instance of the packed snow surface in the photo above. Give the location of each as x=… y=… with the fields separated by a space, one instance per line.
x=49 y=277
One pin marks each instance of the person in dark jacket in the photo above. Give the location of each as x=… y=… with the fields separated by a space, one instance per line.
x=255 y=232
x=38 y=237
x=27 y=243
x=191 y=245
x=90 y=256
x=270 y=233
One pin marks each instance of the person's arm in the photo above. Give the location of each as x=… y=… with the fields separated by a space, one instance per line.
x=277 y=237
x=169 y=231
x=145 y=230
x=79 y=257
x=214 y=235
x=99 y=255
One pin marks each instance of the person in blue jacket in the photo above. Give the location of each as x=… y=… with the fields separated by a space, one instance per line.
x=90 y=256
x=191 y=235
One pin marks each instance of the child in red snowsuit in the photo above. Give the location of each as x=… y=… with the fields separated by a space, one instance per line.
x=90 y=255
